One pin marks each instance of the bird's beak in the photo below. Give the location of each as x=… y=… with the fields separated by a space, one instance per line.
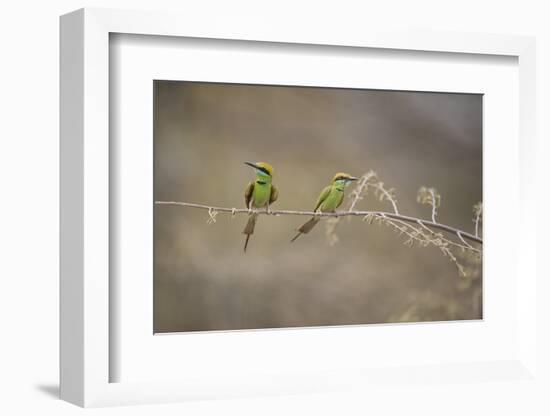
x=353 y=178
x=252 y=165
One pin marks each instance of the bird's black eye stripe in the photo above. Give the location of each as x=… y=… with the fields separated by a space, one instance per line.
x=339 y=178
x=264 y=170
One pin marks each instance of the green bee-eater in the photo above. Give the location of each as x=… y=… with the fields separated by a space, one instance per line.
x=259 y=194
x=330 y=198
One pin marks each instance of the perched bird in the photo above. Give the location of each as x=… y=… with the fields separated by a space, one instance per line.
x=330 y=198
x=259 y=194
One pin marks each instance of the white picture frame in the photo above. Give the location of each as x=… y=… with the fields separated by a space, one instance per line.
x=86 y=356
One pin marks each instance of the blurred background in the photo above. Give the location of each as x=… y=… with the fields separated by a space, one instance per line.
x=203 y=134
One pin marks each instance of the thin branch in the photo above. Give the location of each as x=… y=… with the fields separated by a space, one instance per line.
x=453 y=259
x=387 y=194
x=404 y=229
x=466 y=245
x=357 y=193
x=478 y=212
x=429 y=196
x=439 y=242
x=393 y=215
x=459 y=234
x=432 y=193
x=212 y=216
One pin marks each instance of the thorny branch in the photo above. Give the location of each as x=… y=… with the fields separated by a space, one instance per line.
x=357 y=193
x=213 y=210
x=478 y=212
x=385 y=194
x=434 y=205
x=429 y=196
x=417 y=230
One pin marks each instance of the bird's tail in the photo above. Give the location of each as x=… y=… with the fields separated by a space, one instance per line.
x=306 y=227
x=249 y=228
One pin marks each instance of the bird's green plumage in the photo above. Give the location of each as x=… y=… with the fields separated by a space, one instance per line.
x=259 y=194
x=329 y=200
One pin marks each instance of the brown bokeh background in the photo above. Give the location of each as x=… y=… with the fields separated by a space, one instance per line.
x=203 y=134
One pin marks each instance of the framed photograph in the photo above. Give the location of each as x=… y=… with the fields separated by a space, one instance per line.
x=327 y=277
x=266 y=212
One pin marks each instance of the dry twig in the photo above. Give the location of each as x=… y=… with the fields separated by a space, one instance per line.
x=406 y=218
x=417 y=230
x=478 y=213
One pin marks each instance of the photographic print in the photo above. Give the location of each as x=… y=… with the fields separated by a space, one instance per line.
x=290 y=206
